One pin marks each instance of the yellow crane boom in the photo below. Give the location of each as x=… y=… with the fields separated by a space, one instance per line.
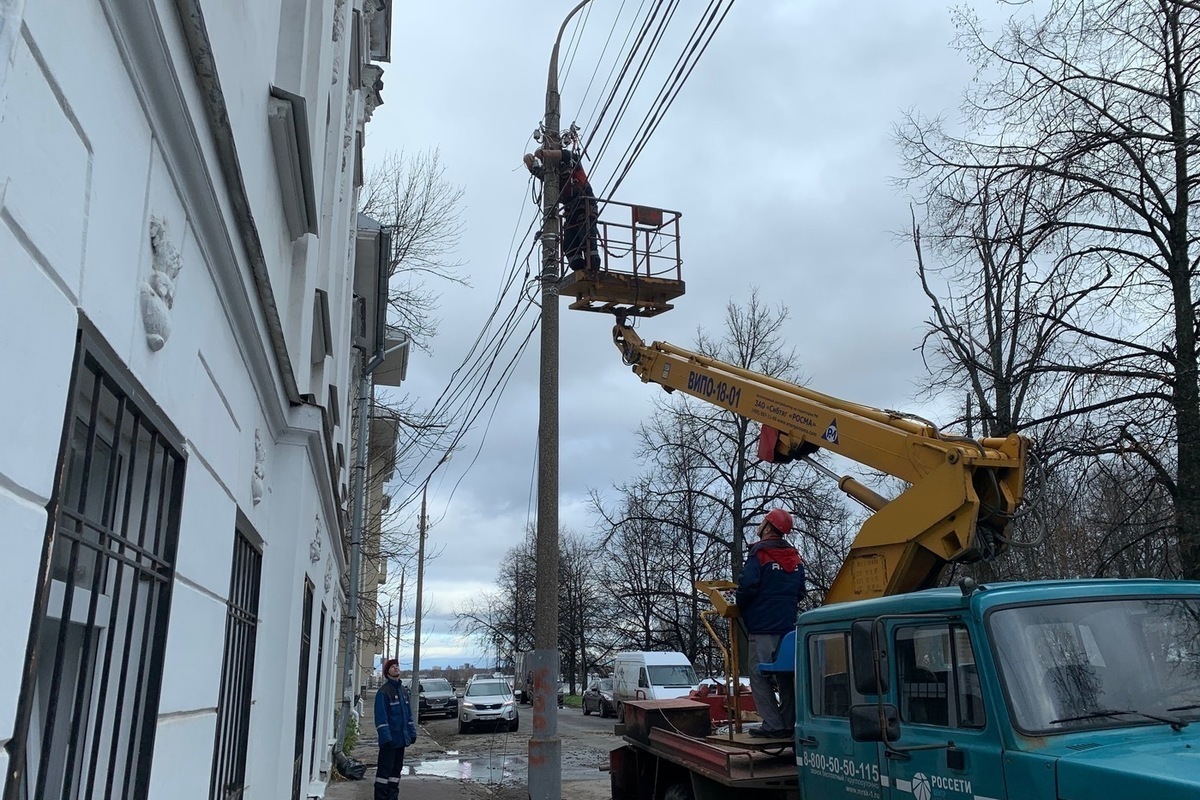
x=962 y=492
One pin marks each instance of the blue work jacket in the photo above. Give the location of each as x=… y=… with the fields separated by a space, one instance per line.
x=393 y=718
x=770 y=588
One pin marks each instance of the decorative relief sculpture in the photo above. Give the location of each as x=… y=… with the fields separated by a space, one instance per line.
x=260 y=469
x=339 y=19
x=314 y=547
x=158 y=291
x=339 y=22
x=328 y=574
x=348 y=131
x=372 y=85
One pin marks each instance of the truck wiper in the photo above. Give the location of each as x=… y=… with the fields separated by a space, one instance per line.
x=1176 y=724
x=1188 y=707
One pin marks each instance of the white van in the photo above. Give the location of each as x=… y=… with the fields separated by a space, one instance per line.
x=644 y=675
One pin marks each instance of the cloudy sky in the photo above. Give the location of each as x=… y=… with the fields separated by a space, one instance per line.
x=778 y=153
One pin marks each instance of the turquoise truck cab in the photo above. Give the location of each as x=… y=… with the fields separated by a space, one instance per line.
x=1056 y=690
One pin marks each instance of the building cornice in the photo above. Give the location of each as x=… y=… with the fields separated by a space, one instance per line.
x=146 y=47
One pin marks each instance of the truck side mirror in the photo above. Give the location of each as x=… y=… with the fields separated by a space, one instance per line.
x=870 y=665
x=874 y=722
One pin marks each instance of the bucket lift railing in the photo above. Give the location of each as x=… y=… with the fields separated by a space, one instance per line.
x=641 y=264
x=646 y=245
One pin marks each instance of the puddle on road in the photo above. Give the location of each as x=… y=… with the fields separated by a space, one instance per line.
x=492 y=769
x=484 y=769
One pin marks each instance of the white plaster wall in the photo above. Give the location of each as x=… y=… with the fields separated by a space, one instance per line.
x=236 y=31
x=189 y=773
x=285 y=563
x=191 y=677
x=81 y=174
x=208 y=517
x=37 y=339
x=25 y=529
x=41 y=274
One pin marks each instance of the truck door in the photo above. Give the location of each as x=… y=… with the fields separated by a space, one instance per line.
x=940 y=699
x=830 y=762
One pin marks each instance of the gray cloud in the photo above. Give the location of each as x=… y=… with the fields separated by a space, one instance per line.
x=778 y=154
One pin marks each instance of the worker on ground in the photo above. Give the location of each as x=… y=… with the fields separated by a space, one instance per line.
x=578 y=202
x=396 y=729
x=768 y=599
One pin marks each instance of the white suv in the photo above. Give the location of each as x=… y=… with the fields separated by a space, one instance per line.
x=487 y=701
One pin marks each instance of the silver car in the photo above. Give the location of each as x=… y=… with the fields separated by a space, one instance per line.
x=487 y=702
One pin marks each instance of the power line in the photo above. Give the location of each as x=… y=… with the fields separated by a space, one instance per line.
x=639 y=72
x=670 y=90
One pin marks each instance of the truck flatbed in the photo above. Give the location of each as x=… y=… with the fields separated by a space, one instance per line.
x=668 y=743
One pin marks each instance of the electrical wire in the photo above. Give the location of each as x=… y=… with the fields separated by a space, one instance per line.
x=600 y=60
x=573 y=45
x=698 y=42
x=655 y=38
x=477 y=383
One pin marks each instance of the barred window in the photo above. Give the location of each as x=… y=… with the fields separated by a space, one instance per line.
x=939 y=683
x=88 y=708
x=237 y=672
x=306 y=618
x=314 y=764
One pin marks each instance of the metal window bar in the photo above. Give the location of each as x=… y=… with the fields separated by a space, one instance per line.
x=75 y=715
x=302 y=688
x=312 y=759
x=237 y=672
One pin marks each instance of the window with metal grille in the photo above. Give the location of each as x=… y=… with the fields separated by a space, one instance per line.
x=237 y=672
x=302 y=689
x=939 y=684
x=88 y=707
x=314 y=766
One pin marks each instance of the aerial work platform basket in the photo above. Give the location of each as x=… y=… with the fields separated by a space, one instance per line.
x=640 y=269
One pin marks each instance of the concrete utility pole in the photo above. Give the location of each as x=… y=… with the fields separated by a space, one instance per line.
x=387 y=631
x=545 y=748
x=416 y=667
x=399 y=616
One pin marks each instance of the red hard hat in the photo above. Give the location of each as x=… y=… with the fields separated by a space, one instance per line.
x=780 y=520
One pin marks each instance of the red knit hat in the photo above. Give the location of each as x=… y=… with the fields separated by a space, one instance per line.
x=388 y=665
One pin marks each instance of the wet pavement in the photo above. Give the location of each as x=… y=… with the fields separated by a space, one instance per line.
x=444 y=765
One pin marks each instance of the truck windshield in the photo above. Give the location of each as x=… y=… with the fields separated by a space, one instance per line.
x=1107 y=663
x=673 y=675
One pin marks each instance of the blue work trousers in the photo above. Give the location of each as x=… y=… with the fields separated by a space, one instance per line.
x=387 y=773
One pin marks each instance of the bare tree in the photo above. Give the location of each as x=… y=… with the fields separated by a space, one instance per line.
x=504 y=619
x=1089 y=111
x=412 y=199
x=414 y=202
x=685 y=517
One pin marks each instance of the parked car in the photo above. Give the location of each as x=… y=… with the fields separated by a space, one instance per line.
x=436 y=696
x=487 y=702
x=598 y=697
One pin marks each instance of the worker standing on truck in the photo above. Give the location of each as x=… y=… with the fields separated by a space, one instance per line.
x=768 y=599
x=578 y=201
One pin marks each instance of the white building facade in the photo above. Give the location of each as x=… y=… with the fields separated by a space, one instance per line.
x=185 y=300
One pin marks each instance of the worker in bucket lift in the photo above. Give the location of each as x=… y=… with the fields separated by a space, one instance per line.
x=579 y=205
x=768 y=599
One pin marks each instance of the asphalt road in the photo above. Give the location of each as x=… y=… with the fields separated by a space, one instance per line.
x=499 y=759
